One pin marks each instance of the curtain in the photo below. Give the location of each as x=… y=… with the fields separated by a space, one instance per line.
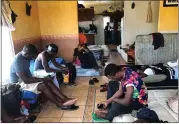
x=7 y=54
x=6 y=15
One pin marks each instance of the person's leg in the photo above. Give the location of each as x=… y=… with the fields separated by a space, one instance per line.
x=113 y=87
x=118 y=109
x=50 y=96
x=55 y=90
x=72 y=72
x=92 y=60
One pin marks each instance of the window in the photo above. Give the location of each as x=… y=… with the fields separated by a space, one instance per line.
x=7 y=54
x=105 y=20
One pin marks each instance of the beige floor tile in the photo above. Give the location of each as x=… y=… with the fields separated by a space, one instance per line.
x=82 y=80
x=74 y=114
x=90 y=100
x=47 y=120
x=82 y=101
x=51 y=112
x=71 y=120
x=81 y=87
x=98 y=93
x=88 y=114
x=79 y=93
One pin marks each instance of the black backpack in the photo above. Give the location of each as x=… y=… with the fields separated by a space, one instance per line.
x=10 y=99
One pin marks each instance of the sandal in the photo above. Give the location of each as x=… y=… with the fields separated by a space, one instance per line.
x=104 y=85
x=95 y=80
x=104 y=89
x=91 y=82
x=71 y=107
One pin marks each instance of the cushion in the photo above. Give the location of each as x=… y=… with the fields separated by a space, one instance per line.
x=154 y=78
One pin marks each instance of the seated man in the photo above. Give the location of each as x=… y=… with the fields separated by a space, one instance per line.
x=41 y=63
x=20 y=73
x=132 y=93
x=85 y=56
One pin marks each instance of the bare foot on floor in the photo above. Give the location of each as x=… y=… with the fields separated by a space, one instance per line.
x=70 y=101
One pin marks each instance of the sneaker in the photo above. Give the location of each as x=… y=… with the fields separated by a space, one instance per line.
x=72 y=84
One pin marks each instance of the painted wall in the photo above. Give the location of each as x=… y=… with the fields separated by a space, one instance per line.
x=27 y=27
x=135 y=20
x=59 y=25
x=168 y=19
x=58 y=17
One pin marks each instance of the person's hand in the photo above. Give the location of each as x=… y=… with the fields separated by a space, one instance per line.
x=105 y=104
x=116 y=100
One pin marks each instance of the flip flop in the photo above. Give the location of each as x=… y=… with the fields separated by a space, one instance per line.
x=91 y=82
x=95 y=80
x=70 y=102
x=70 y=108
x=104 y=85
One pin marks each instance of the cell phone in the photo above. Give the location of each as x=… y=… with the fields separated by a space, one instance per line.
x=100 y=106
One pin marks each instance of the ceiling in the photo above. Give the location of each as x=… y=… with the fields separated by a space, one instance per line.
x=98 y=2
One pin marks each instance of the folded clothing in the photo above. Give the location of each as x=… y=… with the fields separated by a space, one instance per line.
x=154 y=78
x=96 y=119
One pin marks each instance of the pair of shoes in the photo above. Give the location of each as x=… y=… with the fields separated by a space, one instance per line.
x=70 y=108
x=72 y=84
x=103 y=89
x=95 y=80
x=104 y=85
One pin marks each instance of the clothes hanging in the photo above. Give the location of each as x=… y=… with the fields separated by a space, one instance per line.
x=149 y=13
x=158 y=40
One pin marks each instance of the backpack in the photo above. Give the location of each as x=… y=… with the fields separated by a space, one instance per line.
x=10 y=99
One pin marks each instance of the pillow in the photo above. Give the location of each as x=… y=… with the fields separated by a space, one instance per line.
x=173 y=104
x=154 y=78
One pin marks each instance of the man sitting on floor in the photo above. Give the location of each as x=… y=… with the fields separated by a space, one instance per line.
x=41 y=66
x=20 y=73
x=132 y=93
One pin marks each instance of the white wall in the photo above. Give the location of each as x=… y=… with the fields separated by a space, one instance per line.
x=135 y=20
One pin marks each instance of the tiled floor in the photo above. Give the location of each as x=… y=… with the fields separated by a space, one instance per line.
x=88 y=97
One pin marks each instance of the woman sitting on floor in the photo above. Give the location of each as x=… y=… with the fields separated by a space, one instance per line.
x=132 y=93
x=85 y=56
x=41 y=66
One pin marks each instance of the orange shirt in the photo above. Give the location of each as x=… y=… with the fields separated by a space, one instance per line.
x=82 y=38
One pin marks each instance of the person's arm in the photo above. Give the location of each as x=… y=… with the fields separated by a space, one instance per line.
x=46 y=66
x=128 y=96
x=75 y=55
x=118 y=94
x=74 y=59
x=25 y=76
x=85 y=49
x=29 y=80
x=57 y=64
